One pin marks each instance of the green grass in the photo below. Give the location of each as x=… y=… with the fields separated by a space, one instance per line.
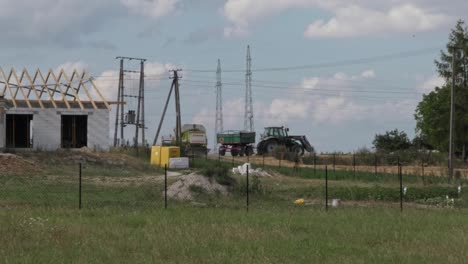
x=123 y=220
x=208 y=235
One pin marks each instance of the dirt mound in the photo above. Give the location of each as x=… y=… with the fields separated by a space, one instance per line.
x=11 y=164
x=69 y=157
x=181 y=189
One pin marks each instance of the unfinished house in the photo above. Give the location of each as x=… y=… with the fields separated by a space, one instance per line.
x=52 y=111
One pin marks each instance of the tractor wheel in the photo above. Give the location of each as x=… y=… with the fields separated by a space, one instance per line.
x=260 y=150
x=270 y=146
x=298 y=149
x=234 y=153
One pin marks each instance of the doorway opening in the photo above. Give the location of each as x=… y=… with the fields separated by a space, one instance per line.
x=18 y=131
x=74 y=131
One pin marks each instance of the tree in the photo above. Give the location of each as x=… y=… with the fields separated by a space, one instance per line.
x=433 y=112
x=421 y=143
x=391 y=141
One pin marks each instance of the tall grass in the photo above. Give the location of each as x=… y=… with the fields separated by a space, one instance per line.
x=299 y=235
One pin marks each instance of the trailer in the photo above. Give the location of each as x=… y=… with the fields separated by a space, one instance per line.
x=237 y=142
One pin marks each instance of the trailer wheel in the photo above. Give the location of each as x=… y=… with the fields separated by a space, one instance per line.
x=222 y=152
x=249 y=151
x=242 y=152
x=234 y=153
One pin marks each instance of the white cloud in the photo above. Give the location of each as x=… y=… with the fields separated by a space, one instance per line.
x=349 y=17
x=243 y=13
x=282 y=110
x=51 y=21
x=336 y=110
x=430 y=84
x=69 y=67
x=107 y=81
x=310 y=83
x=368 y=74
x=151 y=8
x=353 y=21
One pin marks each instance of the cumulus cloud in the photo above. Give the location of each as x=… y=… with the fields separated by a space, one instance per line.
x=349 y=18
x=282 y=110
x=65 y=22
x=430 y=84
x=107 y=81
x=353 y=21
x=49 y=21
x=70 y=66
x=152 y=8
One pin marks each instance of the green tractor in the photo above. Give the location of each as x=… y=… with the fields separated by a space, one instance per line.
x=274 y=137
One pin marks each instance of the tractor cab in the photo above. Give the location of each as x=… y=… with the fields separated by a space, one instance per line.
x=277 y=132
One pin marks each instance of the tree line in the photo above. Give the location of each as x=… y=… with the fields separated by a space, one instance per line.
x=432 y=114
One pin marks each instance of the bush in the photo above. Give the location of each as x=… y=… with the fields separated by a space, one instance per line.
x=220 y=173
x=255 y=186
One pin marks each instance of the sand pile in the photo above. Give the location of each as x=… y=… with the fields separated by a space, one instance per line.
x=11 y=164
x=180 y=190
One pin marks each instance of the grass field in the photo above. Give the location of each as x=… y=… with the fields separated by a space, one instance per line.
x=123 y=219
x=210 y=235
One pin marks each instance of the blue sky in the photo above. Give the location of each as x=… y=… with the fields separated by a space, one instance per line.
x=339 y=107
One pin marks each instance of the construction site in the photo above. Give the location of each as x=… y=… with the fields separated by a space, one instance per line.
x=49 y=112
x=121 y=168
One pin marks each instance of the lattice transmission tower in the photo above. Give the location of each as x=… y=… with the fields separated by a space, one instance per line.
x=248 y=116
x=219 y=103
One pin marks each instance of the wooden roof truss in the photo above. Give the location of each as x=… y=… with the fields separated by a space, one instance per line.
x=51 y=88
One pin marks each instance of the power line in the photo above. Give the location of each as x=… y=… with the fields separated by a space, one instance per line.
x=380 y=58
x=400 y=91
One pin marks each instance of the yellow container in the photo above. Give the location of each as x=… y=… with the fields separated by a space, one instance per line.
x=160 y=155
x=168 y=153
x=156 y=155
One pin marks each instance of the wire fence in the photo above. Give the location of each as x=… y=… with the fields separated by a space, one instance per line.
x=267 y=182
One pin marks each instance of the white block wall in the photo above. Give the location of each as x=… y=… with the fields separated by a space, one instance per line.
x=98 y=129
x=47 y=127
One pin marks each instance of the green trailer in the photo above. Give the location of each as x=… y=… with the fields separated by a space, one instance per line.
x=237 y=142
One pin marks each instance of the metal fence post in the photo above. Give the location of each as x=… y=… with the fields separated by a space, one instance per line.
x=263 y=161
x=398 y=166
x=326 y=187
x=247 y=189
x=165 y=186
x=315 y=164
x=401 y=188
x=279 y=161
x=79 y=191
x=334 y=163
x=375 y=165
x=354 y=166
x=193 y=159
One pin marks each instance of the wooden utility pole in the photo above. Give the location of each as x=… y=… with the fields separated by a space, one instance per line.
x=119 y=92
x=452 y=114
x=178 y=129
x=177 y=104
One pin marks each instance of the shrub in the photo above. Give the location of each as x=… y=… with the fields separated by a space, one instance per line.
x=255 y=186
x=220 y=173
